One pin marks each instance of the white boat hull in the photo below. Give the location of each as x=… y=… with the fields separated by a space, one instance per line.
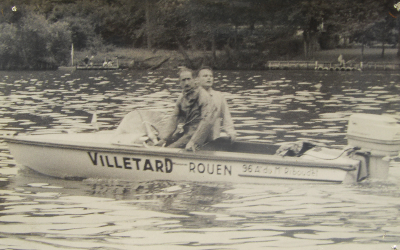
x=93 y=156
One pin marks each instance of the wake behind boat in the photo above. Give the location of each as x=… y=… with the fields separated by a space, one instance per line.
x=126 y=154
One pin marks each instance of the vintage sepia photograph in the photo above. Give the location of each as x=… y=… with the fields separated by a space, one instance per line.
x=199 y=124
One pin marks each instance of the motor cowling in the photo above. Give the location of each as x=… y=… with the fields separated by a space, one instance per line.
x=379 y=135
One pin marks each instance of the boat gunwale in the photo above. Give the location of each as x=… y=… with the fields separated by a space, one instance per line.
x=377 y=141
x=181 y=153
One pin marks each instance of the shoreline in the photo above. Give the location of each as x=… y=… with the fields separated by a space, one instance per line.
x=172 y=59
x=146 y=59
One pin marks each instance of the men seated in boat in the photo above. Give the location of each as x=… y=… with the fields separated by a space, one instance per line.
x=196 y=110
x=108 y=63
x=223 y=115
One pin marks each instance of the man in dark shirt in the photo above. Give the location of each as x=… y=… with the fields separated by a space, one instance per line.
x=195 y=109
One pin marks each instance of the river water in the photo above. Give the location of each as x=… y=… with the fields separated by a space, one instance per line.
x=39 y=212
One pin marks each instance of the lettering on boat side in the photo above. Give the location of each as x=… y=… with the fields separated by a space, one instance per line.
x=207 y=168
x=309 y=172
x=279 y=171
x=157 y=165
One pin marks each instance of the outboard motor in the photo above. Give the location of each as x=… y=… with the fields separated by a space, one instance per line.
x=379 y=135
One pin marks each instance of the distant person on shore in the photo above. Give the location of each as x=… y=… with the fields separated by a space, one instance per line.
x=223 y=115
x=341 y=60
x=195 y=109
x=86 y=60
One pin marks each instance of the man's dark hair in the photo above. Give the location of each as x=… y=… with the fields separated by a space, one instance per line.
x=184 y=69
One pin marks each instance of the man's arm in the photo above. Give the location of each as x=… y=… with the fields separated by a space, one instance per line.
x=208 y=117
x=227 y=120
x=171 y=125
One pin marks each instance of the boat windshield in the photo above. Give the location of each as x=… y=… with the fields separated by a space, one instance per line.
x=138 y=124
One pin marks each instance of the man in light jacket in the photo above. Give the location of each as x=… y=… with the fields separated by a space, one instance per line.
x=223 y=115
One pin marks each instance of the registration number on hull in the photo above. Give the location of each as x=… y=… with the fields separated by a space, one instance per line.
x=279 y=171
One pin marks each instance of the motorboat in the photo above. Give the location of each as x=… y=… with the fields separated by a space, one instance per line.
x=128 y=153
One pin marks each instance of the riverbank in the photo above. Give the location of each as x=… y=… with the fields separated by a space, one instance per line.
x=171 y=59
x=354 y=55
x=144 y=58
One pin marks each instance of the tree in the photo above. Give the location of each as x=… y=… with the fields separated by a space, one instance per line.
x=32 y=37
x=170 y=25
x=59 y=42
x=208 y=17
x=7 y=45
x=32 y=42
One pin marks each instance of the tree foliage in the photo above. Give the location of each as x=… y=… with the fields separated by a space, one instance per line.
x=44 y=29
x=32 y=42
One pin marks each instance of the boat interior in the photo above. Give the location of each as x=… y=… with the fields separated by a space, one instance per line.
x=151 y=122
x=224 y=144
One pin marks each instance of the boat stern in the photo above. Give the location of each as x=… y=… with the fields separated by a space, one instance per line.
x=379 y=137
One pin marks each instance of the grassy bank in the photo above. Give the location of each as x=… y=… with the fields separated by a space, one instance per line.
x=148 y=59
x=142 y=58
x=370 y=55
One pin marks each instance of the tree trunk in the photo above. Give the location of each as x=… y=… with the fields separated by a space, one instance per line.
x=147 y=15
x=306 y=38
x=236 y=35
x=192 y=35
x=305 y=41
x=189 y=62
x=305 y=49
x=213 y=47
x=313 y=44
x=362 y=51
x=311 y=47
x=398 y=45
